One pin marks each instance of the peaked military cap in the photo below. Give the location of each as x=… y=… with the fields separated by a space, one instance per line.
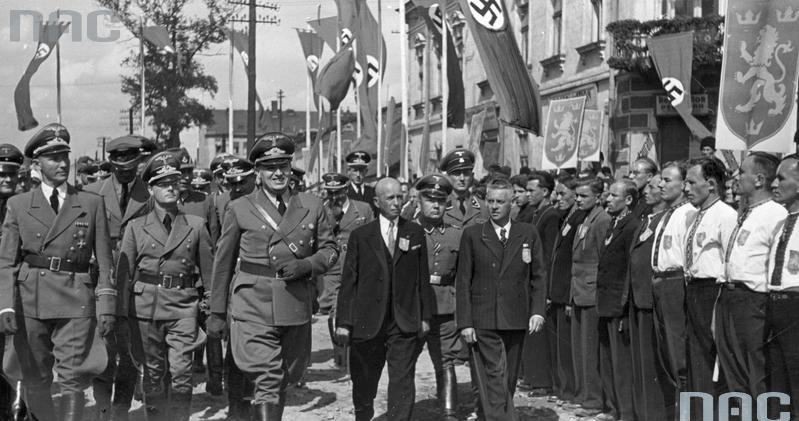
x=237 y=168
x=272 y=147
x=216 y=163
x=201 y=177
x=10 y=158
x=435 y=186
x=457 y=159
x=124 y=143
x=182 y=155
x=162 y=164
x=86 y=165
x=358 y=159
x=50 y=139
x=334 y=182
x=148 y=147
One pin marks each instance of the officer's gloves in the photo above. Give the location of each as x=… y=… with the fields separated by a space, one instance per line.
x=217 y=326
x=294 y=269
x=105 y=324
x=8 y=323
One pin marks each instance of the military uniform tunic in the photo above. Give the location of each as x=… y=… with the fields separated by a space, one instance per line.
x=476 y=211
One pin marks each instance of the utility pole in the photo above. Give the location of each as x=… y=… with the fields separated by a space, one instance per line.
x=280 y=97
x=252 y=19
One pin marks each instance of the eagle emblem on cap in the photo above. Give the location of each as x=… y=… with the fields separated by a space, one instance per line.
x=275 y=151
x=162 y=158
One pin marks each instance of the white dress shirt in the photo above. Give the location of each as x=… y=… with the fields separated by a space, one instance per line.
x=709 y=245
x=273 y=198
x=671 y=252
x=384 y=230
x=790 y=266
x=62 y=193
x=750 y=249
x=498 y=228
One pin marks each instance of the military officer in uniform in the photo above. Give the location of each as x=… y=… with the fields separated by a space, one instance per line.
x=297 y=181
x=191 y=201
x=48 y=300
x=357 y=164
x=125 y=197
x=443 y=241
x=201 y=181
x=463 y=209
x=344 y=215
x=283 y=240
x=157 y=261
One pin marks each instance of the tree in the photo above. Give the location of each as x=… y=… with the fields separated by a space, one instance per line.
x=169 y=77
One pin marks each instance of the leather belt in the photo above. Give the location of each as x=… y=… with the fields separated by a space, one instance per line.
x=737 y=285
x=672 y=273
x=257 y=269
x=692 y=280
x=55 y=264
x=783 y=295
x=168 y=281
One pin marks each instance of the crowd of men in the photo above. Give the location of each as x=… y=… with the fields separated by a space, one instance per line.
x=609 y=296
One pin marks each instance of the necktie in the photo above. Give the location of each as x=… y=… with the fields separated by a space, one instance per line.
x=54 y=201
x=689 y=245
x=462 y=207
x=123 y=201
x=391 y=239
x=779 y=260
x=168 y=223
x=281 y=205
x=734 y=236
x=503 y=236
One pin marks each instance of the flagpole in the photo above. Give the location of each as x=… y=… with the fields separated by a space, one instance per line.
x=379 y=87
x=404 y=87
x=230 y=93
x=444 y=79
x=424 y=151
x=338 y=110
x=308 y=101
x=141 y=59
x=58 y=70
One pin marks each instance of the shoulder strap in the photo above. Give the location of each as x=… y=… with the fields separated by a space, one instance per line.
x=272 y=224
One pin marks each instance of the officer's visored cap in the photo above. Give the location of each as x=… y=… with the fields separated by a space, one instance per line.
x=86 y=165
x=161 y=165
x=334 y=182
x=216 y=163
x=148 y=147
x=201 y=177
x=236 y=169
x=358 y=159
x=10 y=158
x=182 y=155
x=125 y=143
x=435 y=186
x=457 y=159
x=50 y=139
x=272 y=147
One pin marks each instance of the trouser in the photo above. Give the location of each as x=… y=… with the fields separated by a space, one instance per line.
x=239 y=389
x=740 y=338
x=585 y=353
x=782 y=323
x=367 y=358
x=668 y=296
x=443 y=342
x=168 y=345
x=328 y=294
x=650 y=397
x=272 y=356
x=700 y=298
x=7 y=391
x=536 y=361
x=497 y=358
x=615 y=360
x=562 y=342
x=212 y=350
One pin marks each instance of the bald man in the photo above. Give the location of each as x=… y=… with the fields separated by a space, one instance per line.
x=385 y=305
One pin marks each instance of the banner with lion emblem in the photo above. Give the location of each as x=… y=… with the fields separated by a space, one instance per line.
x=590 y=136
x=562 y=132
x=757 y=102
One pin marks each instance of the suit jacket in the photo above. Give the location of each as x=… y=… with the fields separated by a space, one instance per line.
x=248 y=235
x=147 y=248
x=198 y=204
x=367 y=197
x=138 y=203
x=367 y=274
x=443 y=243
x=79 y=231
x=547 y=221
x=560 y=275
x=476 y=212
x=588 y=242
x=611 y=296
x=639 y=273
x=498 y=287
x=357 y=215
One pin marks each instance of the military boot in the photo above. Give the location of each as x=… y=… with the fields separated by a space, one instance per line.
x=72 y=406
x=449 y=394
x=180 y=406
x=102 y=399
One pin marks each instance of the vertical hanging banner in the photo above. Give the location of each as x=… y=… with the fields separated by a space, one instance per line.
x=590 y=136
x=326 y=29
x=564 y=120
x=333 y=81
x=312 y=46
x=475 y=136
x=757 y=101
x=517 y=92
x=241 y=44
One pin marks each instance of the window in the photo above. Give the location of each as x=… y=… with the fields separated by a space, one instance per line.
x=596 y=20
x=557 y=25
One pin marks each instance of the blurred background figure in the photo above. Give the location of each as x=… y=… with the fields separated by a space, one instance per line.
x=86 y=172
x=297 y=180
x=201 y=180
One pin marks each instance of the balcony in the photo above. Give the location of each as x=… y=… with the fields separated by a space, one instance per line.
x=630 y=53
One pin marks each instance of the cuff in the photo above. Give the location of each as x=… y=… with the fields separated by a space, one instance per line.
x=106 y=303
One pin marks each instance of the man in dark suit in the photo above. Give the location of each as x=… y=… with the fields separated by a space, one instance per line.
x=357 y=165
x=501 y=292
x=641 y=173
x=384 y=306
x=48 y=300
x=125 y=197
x=615 y=358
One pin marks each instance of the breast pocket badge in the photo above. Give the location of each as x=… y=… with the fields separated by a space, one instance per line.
x=700 y=239
x=666 y=242
x=793 y=262
x=645 y=235
x=742 y=236
x=404 y=244
x=526 y=255
x=566 y=230
x=582 y=231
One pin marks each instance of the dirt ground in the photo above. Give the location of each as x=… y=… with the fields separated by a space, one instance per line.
x=327 y=393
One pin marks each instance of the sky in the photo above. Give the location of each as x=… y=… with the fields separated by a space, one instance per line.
x=92 y=102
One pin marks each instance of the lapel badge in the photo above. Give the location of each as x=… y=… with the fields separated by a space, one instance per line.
x=700 y=239
x=526 y=255
x=404 y=244
x=793 y=262
x=645 y=235
x=742 y=237
x=666 y=242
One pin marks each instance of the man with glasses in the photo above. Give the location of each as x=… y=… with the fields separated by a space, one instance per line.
x=156 y=266
x=48 y=300
x=125 y=197
x=357 y=165
x=283 y=241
